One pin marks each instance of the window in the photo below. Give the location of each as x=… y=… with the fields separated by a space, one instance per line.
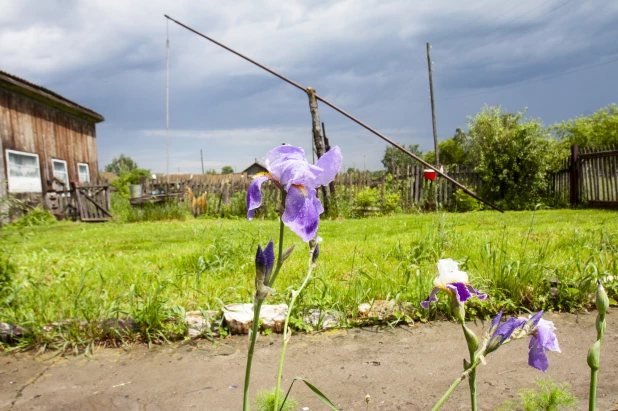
x=84 y=173
x=60 y=171
x=23 y=172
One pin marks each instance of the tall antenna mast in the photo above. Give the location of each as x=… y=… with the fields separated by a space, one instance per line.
x=167 y=101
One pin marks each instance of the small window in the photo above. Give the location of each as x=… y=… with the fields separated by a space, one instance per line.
x=84 y=173
x=60 y=171
x=23 y=172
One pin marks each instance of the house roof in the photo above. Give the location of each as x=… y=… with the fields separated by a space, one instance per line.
x=12 y=82
x=246 y=170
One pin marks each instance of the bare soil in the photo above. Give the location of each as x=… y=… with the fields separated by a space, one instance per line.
x=405 y=368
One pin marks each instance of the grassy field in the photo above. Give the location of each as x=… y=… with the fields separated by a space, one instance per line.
x=155 y=271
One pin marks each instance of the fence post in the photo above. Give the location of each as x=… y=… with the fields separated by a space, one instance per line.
x=318 y=140
x=574 y=176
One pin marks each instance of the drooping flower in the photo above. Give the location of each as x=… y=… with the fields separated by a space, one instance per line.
x=454 y=282
x=288 y=168
x=499 y=333
x=264 y=262
x=543 y=339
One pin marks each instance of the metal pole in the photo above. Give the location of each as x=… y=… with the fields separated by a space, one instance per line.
x=167 y=103
x=349 y=116
x=433 y=107
x=202 y=158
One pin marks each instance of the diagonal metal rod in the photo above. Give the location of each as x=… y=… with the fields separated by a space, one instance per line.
x=351 y=117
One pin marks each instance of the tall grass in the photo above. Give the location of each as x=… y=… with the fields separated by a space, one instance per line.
x=152 y=272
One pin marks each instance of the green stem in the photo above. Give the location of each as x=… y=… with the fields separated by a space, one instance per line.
x=455 y=384
x=593 y=390
x=286 y=336
x=257 y=306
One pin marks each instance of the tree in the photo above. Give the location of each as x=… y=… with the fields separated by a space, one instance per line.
x=393 y=157
x=227 y=170
x=597 y=129
x=452 y=150
x=121 y=165
x=512 y=156
x=211 y=171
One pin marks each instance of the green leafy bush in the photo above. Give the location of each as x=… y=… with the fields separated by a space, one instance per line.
x=131 y=177
x=367 y=197
x=549 y=396
x=391 y=203
x=513 y=156
x=36 y=216
x=597 y=129
x=265 y=401
x=463 y=202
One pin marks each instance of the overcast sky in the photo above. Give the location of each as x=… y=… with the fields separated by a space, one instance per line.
x=368 y=57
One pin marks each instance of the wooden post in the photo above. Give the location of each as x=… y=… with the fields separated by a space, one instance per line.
x=433 y=107
x=317 y=139
x=202 y=158
x=4 y=205
x=574 y=178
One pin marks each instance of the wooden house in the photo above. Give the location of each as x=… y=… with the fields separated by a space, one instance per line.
x=45 y=139
x=254 y=168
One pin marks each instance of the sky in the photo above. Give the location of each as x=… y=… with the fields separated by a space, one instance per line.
x=556 y=58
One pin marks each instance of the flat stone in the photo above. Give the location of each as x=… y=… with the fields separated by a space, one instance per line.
x=326 y=320
x=383 y=310
x=239 y=317
x=198 y=324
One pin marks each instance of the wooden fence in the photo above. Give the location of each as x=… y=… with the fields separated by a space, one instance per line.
x=589 y=177
x=225 y=193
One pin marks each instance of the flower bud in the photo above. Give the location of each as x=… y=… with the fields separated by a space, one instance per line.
x=593 y=355
x=602 y=301
x=458 y=309
x=316 y=253
x=471 y=339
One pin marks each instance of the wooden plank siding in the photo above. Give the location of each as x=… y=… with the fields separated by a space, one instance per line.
x=31 y=126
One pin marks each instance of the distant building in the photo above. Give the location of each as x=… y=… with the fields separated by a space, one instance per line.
x=254 y=168
x=43 y=137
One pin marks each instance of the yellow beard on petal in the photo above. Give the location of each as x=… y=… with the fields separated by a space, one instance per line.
x=301 y=188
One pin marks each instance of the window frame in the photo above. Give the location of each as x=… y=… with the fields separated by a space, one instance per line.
x=66 y=170
x=11 y=187
x=79 y=173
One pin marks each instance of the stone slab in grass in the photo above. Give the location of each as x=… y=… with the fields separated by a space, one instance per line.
x=198 y=324
x=239 y=317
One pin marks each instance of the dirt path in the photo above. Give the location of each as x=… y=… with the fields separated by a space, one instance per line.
x=405 y=368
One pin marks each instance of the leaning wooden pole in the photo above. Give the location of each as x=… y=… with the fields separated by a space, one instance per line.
x=318 y=141
x=433 y=107
x=345 y=114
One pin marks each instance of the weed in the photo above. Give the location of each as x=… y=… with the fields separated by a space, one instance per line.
x=548 y=396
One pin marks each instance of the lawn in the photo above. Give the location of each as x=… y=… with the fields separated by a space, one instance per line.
x=155 y=271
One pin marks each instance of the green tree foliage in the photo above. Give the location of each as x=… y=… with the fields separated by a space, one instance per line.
x=227 y=170
x=211 y=171
x=597 y=129
x=121 y=164
x=512 y=156
x=452 y=150
x=394 y=158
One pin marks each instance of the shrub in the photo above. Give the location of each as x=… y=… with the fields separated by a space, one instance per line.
x=463 y=202
x=367 y=197
x=265 y=401
x=549 y=396
x=391 y=203
x=512 y=156
x=131 y=177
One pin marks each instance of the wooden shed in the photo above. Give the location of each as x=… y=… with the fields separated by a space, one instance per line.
x=254 y=168
x=44 y=138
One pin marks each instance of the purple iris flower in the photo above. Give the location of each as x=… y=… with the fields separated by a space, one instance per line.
x=454 y=282
x=544 y=339
x=502 y=332
x=288 y=169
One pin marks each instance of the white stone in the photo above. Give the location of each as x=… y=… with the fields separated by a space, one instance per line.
x=239 y=317
x=198 y=324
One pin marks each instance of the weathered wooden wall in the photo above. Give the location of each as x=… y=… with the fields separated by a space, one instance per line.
x=33 y=127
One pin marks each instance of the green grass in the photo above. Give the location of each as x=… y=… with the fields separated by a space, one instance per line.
x=154 y=271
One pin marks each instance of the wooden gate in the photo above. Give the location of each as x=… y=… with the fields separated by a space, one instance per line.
x=594 y=176
x=93 y=202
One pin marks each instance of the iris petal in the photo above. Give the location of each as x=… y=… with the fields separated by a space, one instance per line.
x=294 y=203
x=330 y=163
x=305 y=223
x=432 y=297
x=461 y=291
x=476 y=292
x=254 y=195
x=537 y=358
